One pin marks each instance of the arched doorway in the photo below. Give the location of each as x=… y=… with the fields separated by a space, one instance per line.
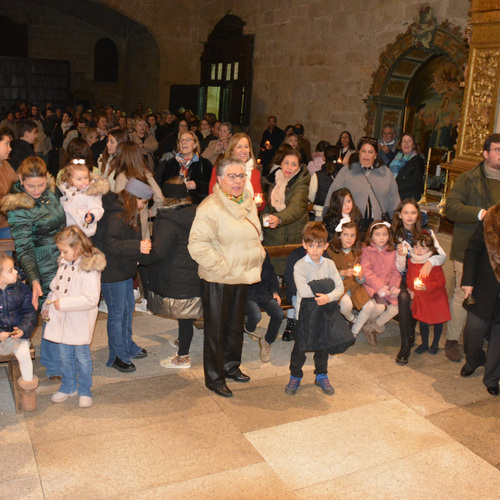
x=417 y=86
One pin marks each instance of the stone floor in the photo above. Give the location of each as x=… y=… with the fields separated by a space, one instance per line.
x=419 y=431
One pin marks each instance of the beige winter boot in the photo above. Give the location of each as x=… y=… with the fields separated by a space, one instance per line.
x=28 y=393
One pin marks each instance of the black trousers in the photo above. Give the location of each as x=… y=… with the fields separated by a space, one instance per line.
x=224 y=315
x=406 y=321
x=476 y=330
x=298 y=359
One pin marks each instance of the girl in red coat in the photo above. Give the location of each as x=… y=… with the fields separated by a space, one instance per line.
x=430 y=301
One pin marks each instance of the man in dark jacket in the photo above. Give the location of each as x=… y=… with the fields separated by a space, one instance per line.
x=473 y=193
x=269 y=144
x=23 y=147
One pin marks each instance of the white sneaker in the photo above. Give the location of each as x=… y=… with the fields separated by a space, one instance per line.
x=60 y=397
x=103 y=307
x=174 y=343
x=137 y=294
x=176 y=362
x=85 y=402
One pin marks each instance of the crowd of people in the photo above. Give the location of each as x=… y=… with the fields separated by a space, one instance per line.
x=179 y=211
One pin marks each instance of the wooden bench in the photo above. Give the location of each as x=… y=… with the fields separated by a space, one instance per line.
x=279 y=254
x=14 y=373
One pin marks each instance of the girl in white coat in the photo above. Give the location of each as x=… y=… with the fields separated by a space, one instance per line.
x=82 y=196
x=71 y=311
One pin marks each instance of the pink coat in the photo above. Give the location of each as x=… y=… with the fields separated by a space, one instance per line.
x=379 y=269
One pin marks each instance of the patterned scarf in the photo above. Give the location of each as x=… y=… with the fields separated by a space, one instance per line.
x=184 y=164
x=236 y=199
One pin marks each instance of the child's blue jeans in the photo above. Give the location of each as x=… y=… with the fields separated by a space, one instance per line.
x=76 y=367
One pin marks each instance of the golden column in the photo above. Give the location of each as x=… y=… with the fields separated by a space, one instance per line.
x=480 y=113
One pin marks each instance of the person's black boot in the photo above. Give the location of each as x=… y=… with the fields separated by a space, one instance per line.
x=404 y=353
x=287 y=334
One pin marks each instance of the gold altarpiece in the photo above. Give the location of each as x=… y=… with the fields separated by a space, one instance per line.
x=480 y=110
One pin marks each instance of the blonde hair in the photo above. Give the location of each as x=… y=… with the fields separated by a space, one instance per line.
x=75 y=238
x=196 y=149
x=33 y=166
x=69 y=170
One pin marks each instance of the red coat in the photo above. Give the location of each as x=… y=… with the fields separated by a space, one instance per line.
x=255 y=180
x=430 y=306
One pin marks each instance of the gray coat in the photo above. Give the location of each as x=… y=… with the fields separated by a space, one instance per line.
x=381 y=179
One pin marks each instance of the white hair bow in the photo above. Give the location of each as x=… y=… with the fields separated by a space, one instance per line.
x=382 y=223
x=344 y=220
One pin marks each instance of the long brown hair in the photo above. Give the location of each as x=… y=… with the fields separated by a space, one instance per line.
x=398 y=227
x=130 y=213
x=130 y=161
x=121 y=135
x=336 y=244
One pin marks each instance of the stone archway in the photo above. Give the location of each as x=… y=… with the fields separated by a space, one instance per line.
x=400 y=63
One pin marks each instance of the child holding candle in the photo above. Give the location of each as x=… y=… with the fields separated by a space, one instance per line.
x=408 y=223
x=382 y=278
x=430 y=300
x=345 y=251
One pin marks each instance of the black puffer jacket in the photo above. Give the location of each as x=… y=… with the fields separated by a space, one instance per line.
x=16 y=309
x=172 y=271
x=118 y=241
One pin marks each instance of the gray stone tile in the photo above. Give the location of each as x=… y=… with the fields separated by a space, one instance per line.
x=22 y=489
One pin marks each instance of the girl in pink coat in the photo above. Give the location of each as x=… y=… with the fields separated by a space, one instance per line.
x=382 y=278
x=70 y=312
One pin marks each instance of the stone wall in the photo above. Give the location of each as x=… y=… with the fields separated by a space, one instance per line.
x=313 y=59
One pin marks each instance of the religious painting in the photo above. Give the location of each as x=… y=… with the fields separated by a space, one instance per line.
x=434 y=104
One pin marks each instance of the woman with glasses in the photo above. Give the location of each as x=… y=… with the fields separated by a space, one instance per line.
x=286 y=212
x=408 y=167
x=225 y=242
x=188 y=164
x=370 y=182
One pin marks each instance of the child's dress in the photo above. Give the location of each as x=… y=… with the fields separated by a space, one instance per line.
x=77 y=204
x=429 y=306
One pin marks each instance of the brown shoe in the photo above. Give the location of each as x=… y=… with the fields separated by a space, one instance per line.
x=265 y=351
x=371 y=337
x=452 y=351
x=28 y=393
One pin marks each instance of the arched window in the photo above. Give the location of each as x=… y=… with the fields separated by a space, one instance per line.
x=105 y=61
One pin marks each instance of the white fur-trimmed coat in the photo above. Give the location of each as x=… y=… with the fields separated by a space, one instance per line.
x=77 y=285
x=77 y=203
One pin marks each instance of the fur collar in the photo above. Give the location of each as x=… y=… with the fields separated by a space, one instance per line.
x=492 y=238
x=94 y=262
x=18 y=198
x=98 y=186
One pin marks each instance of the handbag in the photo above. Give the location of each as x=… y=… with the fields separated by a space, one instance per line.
x=385 y=215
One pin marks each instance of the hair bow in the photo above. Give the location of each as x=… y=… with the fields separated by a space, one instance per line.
x=344 y=220
x=382 y=223
x=77 y=161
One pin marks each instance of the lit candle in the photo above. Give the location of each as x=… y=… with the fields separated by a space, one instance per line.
x=417 y=283
x=357 y=269
x=258 y=198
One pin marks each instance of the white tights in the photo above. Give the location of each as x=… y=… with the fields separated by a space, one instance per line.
x=369 y=311
x=387 y=315
x=22 y=353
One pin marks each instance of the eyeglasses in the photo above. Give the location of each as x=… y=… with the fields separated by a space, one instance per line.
x=186 y=140
x=497 y=150
x=233 y=177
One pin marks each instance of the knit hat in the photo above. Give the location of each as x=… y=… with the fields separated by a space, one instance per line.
x=177 y=191
x=139 y=189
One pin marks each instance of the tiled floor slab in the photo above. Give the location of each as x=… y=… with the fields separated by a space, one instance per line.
x=116 y=463
x=446 y=472
x=23 y=489
x=263 y=403
x=476 y=426
x=315 y=450
x=246 y=483
x=435 y=389
x=121 y=405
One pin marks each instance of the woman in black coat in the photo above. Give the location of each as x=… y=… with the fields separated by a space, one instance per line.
x=481 y=284
x=408 y=167
x=174 y=285
x=188 y=164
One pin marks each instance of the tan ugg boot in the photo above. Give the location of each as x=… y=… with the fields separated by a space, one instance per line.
x=28 y=393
